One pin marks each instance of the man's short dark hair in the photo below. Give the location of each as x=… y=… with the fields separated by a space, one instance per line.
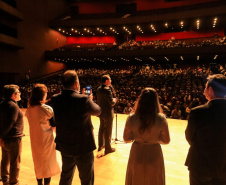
x=9 y=90
x=218 y=84
x=70 y=77
x=104 y=78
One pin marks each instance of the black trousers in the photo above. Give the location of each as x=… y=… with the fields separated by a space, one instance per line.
x=105 y=131
x=11 y=157
x=85 y=164
x=196 y=178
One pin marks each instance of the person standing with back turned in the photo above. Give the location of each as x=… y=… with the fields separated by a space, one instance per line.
x=106 y=101
x=206 y=134
x=74 y=130
x=11 y=133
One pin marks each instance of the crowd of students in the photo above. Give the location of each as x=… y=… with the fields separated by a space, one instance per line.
x=179 y=89
x=153 y=44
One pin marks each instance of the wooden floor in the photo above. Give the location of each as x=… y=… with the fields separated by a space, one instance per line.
x=111 y=169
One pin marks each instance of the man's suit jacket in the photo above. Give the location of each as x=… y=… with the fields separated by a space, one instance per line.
x=206 y=134
x=74 y=129
x=105 y=101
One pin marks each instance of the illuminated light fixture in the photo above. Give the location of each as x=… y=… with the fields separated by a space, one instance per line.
x=166 y=24
x=72 y=29
x=182 y=24
x=166 y=58
x=181 y=57
x=197 y=57
x=215 y=57
x=111 y=28
x=138 y=26
x=63 y=31
x=59 y=29
x=152 y=58
x=98 y=28
x=198 y=23
x=76 y=31
x=153 y=28
x=215 y=22
x=85 y=29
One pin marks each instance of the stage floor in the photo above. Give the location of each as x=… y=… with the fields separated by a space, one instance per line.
x=111 y=169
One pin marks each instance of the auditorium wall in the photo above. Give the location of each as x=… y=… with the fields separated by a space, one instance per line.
x=37 y=37
x=181 y=35
x=142 y=5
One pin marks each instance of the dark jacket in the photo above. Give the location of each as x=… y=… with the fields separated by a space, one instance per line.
x=105 y=101
x=11 y=120
x=206 y=134
x=74 y=129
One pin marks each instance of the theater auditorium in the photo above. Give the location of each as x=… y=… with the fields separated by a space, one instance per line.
x=169 y=45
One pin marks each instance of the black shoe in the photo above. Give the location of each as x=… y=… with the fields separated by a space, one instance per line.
x=110 y=151
x=101 y=148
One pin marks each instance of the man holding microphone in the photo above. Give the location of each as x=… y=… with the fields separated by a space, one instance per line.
x=106 y=101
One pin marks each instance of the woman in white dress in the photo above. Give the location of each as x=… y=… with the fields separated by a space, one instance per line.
x=45 y=158
x=147 y=128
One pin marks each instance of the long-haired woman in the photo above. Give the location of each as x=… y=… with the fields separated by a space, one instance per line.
x=46 y=162
x=147 y=128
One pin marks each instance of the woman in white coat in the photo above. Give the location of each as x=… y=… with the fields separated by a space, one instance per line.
x=45 y=158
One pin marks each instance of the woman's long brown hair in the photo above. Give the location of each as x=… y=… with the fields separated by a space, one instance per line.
x=147 y=108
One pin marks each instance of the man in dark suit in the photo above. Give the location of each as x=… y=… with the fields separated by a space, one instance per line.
x=206 y=134
x=106 y=101
x=74 y=130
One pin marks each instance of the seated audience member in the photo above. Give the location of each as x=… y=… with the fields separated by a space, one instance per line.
x=128 y=109
x=147 y=128
x=176 y=113
x=46 y=161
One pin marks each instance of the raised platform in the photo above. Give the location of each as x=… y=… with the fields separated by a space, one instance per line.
x=111 y=169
